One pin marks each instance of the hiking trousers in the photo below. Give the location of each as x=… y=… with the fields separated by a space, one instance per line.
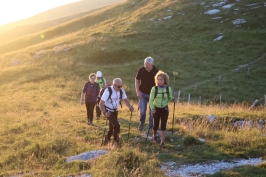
x=114 y=127
x=142 y=109
x=161 y=114
x=90 y=109
x=98 y=111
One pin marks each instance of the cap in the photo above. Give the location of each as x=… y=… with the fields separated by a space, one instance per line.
x=99 y=74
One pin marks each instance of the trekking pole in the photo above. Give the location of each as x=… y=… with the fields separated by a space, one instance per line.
x=148 y=133
x=173 y=116
x=129 y=125
x=175 y=74
x=104 y=132
x=148 y=130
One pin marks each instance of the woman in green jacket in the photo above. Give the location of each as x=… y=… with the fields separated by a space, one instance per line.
x=160 y=96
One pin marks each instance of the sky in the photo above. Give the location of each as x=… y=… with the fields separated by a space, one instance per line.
x=14 y=10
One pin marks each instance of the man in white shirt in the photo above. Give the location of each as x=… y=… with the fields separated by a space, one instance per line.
x=109 y=108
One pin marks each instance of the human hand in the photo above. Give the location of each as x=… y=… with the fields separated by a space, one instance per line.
x=153 y=111
x=81 y=101
x=139 y=95
x=131 y=108
x=107 y=114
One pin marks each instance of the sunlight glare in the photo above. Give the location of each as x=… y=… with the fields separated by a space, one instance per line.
x=14 y=10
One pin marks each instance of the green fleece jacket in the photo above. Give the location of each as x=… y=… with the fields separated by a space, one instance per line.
x=100 y=81
x=161 y=99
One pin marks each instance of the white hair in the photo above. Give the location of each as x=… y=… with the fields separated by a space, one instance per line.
x=149 y=60
x=117 y=80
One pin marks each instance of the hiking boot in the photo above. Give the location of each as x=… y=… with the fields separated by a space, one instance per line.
x=115 y=145
x=162 y=145
x=154 y=139
x=106 y=141
x=98 y=117
x=141 y=126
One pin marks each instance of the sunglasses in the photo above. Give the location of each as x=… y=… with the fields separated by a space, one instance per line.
x=119 y=86
x=93 y=77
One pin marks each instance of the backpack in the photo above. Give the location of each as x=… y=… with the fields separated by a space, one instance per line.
x=156 y=91
x=110 y=93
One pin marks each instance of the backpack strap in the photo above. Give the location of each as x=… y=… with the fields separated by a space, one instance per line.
x=167 y=91
x=121 y=93
x=110 y=93
x=156 y=91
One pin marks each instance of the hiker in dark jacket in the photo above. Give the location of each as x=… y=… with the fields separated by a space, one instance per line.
x=109 y=107
x=144 y=81
x=89 y=95
x=160 y=96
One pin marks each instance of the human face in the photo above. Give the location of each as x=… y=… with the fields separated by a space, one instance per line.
x=160 y=80
x=148 y=66
x=92 y=79
x=118 y=85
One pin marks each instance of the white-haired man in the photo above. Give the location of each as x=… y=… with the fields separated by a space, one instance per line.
x=144 y=81
x=109 y=105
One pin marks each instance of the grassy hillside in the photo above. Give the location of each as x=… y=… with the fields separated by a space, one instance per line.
x=42 y=75
x=183 y=43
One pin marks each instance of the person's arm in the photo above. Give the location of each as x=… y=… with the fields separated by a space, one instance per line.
x=151 y=99
x=82 y=96
x=101 y=106
x=137 y=89
x=171 y=96
x=131 y=108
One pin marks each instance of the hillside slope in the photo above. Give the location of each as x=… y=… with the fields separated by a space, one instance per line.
x=178 y=34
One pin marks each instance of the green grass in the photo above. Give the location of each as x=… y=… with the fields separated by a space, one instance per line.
x=43 y=122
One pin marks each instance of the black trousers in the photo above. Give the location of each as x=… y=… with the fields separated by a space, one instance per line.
x=90 y=109
x=114 y=127
x=161 y=114
x=98 y=111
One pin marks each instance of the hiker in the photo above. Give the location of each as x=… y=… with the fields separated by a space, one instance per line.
x=109 y=105
x=102 y=82
x=144 y=81
x=160 y=96
x=89 y=95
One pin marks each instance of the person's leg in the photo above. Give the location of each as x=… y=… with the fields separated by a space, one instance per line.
x=142 y=111
x=110 y=131
x=88 y=111
x=98 y=112
x=165 y=114
x=92 y=105
x=156 y=119
x=116 y=126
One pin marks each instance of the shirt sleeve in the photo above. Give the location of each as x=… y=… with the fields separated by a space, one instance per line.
x=105 y=95
x=171 y=97
x=138 y=76
x=151 y=99
x=124 y=95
